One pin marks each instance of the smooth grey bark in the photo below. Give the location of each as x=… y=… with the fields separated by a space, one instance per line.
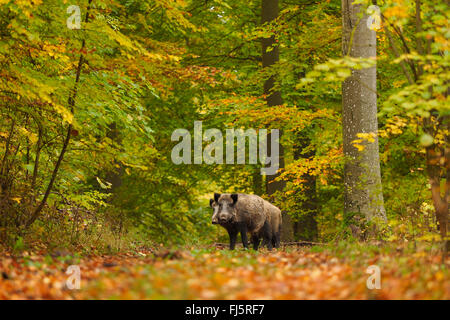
x=362 y=177
x=269 y=12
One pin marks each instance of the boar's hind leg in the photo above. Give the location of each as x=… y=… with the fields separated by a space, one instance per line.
x=267 y=235
x=243 y=230
x=264 y=242
x=255 y=241
x=277 y=239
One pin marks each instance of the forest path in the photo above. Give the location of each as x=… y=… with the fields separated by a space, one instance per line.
x=299 y=273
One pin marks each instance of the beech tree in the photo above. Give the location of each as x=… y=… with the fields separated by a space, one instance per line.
x=362 y=179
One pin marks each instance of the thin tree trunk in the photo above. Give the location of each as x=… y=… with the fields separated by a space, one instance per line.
x=36 y=160
x=71 y=103
x=27 y=155
x=433 y=154
x=269 y=12
x=435 y=171
x=362 y=177
x=397 y=55
x=440 y=202
x=446 y=214
x=8 y=143
x=257 y=180
x=305 y=228
x=5 y=178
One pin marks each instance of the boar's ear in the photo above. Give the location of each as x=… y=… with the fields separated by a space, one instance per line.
x=211 y=201
x=216 y=197
x=234 y=196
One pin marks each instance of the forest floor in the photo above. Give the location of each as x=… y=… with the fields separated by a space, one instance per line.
x=211 y=273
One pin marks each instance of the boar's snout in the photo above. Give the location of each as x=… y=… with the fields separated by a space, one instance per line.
x=225 y=219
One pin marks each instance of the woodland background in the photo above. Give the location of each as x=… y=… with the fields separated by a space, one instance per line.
x=86 y=118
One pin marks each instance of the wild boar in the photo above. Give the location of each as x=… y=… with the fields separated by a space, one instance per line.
x=242 y=213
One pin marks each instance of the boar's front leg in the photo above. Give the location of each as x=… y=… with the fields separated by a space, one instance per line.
x=232 y=233
x=233 y=237
x=243 y=230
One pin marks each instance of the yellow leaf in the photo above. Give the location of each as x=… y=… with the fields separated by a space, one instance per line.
x=66 y=114
x=16 y=199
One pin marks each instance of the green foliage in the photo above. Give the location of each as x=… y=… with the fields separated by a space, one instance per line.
x=150 y=67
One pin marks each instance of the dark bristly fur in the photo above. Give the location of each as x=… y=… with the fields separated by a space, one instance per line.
x=242 y=213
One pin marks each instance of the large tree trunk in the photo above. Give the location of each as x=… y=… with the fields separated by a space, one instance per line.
x=269 y=12
x=362 y=178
